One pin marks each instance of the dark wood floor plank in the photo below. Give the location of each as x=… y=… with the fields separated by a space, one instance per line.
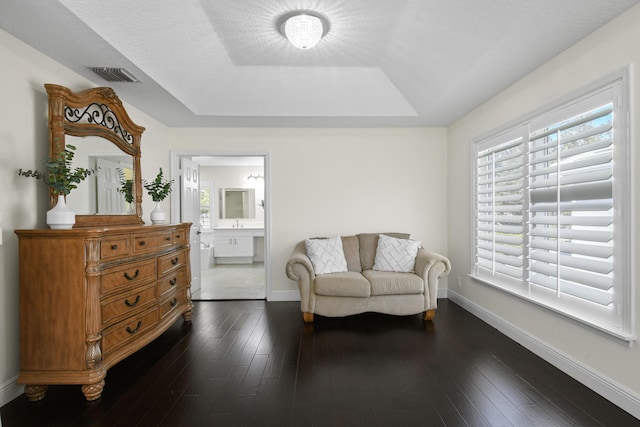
x=256 y=363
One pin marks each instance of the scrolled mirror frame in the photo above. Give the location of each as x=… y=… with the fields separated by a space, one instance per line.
x=95 y=112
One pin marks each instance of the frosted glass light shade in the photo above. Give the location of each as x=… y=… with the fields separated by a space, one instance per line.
x=303 y=31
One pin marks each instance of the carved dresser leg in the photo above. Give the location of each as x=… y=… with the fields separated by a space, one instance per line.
x=35 y=392
x=429 y=314
x=307 y=317
x=93 y=391
x=186 y=316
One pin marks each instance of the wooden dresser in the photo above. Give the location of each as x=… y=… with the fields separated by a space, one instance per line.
x=91 y=296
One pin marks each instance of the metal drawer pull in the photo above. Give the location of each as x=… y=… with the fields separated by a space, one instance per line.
x=126 y=275
x=132 y=304
x=168 y=239
x=114 y=247
x=175 y=260
x=177 y=236
x=142 y=243
x=133 y=331
x=173 y=281
x=173 y=302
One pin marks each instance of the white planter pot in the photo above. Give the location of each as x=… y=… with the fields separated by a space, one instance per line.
x=158 y=216
x=60 y=217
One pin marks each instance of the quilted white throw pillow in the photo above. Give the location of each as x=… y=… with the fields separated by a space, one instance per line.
x=396 y=254
x=326 y=255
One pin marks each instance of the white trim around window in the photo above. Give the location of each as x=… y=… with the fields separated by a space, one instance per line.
x=552 y=210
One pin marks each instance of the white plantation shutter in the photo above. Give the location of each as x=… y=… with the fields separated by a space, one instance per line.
x=551 y=221
x=571 y=205
x=500 y=207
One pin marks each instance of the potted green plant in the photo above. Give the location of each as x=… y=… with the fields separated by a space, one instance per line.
x=61 y=177
x=158 y=189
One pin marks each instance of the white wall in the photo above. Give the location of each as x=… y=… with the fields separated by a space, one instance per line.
x=613 y=363
x=340 y=181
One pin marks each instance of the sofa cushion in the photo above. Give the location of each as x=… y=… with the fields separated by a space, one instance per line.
x=392 y=283
x=351 y=247
x=395 y=254
x=326 y=255
x=348 y=284
x=368 y=245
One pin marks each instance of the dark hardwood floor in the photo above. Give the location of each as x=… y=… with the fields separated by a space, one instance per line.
x=256 y=363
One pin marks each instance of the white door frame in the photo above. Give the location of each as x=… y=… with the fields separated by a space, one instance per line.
x=175 y=201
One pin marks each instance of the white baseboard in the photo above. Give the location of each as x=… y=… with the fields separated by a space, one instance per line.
x=9 y=391
x=611 y=390
x=281 y=296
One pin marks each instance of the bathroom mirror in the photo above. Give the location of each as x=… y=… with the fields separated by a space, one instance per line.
x=237 y=203
x=97 y=124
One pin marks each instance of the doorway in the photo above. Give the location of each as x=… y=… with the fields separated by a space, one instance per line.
x=229 y=251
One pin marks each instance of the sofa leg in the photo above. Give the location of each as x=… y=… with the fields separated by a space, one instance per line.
x=429 y=314
x=307 y=317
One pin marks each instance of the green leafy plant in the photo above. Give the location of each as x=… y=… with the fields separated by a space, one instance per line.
x=159 y=188
x=126 y=186
x=60 y=175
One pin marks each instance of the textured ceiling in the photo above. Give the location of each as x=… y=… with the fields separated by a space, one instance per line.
x=382 y=63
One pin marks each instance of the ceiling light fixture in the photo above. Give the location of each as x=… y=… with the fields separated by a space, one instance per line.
x=303 y=30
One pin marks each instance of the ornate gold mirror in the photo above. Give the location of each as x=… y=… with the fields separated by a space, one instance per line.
x=107 y=139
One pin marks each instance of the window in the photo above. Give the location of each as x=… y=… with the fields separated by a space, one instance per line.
x=552 y=210
x=205 y=204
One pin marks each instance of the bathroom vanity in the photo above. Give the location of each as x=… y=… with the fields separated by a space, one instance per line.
x=237 y=245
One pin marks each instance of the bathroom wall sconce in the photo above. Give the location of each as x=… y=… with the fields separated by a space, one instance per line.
x=254 y=177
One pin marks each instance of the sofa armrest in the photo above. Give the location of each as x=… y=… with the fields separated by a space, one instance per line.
x=300 y=269
x=299 y=256
x=431 y=267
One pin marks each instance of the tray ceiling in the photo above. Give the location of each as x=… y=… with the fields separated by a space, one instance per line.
x=382 y=63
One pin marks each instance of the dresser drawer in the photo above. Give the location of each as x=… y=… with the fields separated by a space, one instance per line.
x=128 y=329
x=168 y=305
x=180 y=236
x=128 y=302
x=151 y=242
x=127 y=277
x=172 y=281
x=115 y=246
x=172 y=261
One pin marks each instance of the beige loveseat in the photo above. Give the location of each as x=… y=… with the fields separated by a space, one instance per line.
x=363 y=288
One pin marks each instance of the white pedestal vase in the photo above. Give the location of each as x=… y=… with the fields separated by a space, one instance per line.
x=60 y=217
x=158 y=216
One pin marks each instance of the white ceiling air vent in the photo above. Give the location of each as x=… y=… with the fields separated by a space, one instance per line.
x=114 y=74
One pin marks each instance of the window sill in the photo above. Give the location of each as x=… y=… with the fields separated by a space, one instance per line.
x=617 y=333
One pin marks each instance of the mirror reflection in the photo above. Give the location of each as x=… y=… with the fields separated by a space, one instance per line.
x=109 y=191
x=237 y=203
